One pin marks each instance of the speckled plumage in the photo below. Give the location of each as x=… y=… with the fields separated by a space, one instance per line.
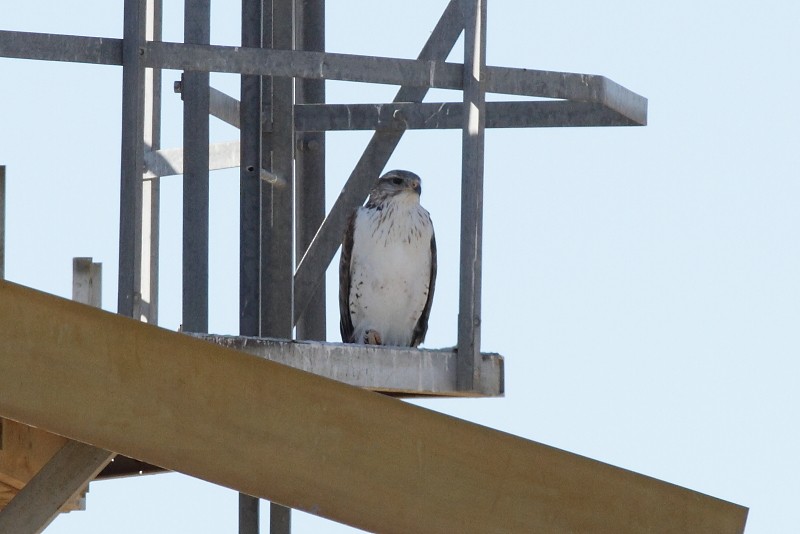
x=387 y=271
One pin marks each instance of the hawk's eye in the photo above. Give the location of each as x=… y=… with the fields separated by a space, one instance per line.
x=397 y=181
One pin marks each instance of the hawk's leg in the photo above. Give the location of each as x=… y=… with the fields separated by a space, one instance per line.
x=372 y=337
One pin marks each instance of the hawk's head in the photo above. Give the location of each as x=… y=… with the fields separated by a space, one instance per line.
x=395 y=183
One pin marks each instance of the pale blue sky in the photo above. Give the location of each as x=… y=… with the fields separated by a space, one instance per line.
x=642 y=283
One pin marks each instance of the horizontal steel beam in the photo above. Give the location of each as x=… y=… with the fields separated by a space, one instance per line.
x=225 y=155
x=436 y=115
x=449 y=115
x=55 y=47
x=322 y=65
x=169 y=161
x=392 y=370
x=354 y=456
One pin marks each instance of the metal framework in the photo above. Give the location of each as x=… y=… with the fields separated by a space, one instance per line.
x=283 y=117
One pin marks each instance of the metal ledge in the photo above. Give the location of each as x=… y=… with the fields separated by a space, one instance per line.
x=396 y=371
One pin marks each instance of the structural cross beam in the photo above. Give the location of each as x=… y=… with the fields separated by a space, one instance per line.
x=122 y=385
x=427 y=73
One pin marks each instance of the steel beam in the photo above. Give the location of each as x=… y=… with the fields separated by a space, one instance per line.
x=277 y=204
x=440 y=115
x=251 y=157
x=422 y=72
x=197 y=30
x=311 y=269
x=169 y=161
x=249 y=184
x=147 y=305
x=450 y=115
x=310 y=163
x=55 y=47
x=472 y=156
x=132 y=157
x=350 y=455
x=277 y=217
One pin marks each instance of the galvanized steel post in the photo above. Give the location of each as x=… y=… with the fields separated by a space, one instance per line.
x=147 y=305
x=250 y=212
x=277 y=208
x=197 y=30
x=132 y=156
x=310 y=164
x=469 y=315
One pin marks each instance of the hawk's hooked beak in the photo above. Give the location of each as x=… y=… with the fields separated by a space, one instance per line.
x=416 y=186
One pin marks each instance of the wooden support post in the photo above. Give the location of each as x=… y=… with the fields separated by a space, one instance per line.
x=87 y=280
x=60 y=480
x=469 y=312
x=2 y=222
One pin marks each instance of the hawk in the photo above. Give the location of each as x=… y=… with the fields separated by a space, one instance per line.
x=387 y=270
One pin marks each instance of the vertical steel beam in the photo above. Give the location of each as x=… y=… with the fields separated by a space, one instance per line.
x=277 y=217
x=132 y=156
x=310 y=163
x=197 y=30
x=250 y=212
x=277 y=209
x=151 y=189
x=469 y=315
x=249 y=182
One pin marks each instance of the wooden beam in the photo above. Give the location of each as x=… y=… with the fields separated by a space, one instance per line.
x=2 y=227
x=350 y=455
x=27 y=450
x=60 y=480
x=87 y=279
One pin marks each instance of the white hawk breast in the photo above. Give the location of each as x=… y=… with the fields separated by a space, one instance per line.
x=390 y=270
